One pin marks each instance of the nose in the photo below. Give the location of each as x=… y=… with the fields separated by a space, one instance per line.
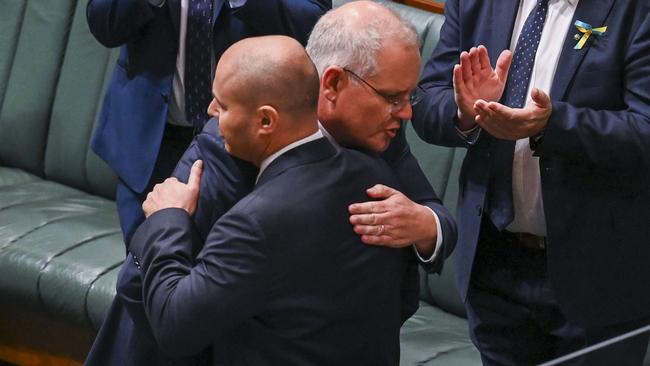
x=212 y=109
x=404 y=113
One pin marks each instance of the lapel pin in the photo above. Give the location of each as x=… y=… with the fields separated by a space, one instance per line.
x=587 y=30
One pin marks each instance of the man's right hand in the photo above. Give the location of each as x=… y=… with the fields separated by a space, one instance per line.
x=474 y=79
x=174 y=194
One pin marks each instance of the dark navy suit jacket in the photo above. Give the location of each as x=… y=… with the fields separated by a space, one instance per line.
x=132 y=120
x=226 y=180
x=594 y=158
x=282 y=278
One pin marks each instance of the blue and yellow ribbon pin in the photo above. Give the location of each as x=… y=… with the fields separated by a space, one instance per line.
x=587 y=30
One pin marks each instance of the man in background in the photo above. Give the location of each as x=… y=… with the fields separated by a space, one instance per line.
x=554 y=200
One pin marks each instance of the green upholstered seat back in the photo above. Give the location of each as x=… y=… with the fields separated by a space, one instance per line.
x=11 y=18
x=84 y=74
x=30 y=70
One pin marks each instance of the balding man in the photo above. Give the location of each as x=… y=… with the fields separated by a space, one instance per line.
x=368 y=60
x=282 y=278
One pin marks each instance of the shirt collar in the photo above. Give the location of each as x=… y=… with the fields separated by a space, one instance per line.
x=266 y=162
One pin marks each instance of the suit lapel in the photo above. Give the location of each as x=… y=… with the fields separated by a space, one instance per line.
x=174 y=7
x=504 y=13
x=310 y=152
x=217 y=6
x=593 y=12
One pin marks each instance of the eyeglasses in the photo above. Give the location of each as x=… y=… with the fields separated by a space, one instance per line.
x=396 y=104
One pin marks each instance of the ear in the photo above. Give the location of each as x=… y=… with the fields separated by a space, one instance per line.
x=333 y=81
x=267 y=120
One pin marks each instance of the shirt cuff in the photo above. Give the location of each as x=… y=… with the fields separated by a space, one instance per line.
x=236 y=3
x=470 y=136
x=436 y=251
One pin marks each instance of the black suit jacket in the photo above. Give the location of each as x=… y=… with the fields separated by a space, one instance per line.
x=282 y=279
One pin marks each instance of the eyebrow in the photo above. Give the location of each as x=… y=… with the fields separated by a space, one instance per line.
x=217 y=99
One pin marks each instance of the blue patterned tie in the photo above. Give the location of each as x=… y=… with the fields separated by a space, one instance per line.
x=198 y=61
x=500 y=194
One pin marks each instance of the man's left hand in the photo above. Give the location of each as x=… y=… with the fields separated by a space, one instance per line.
x=394 y=221
x=515 y=123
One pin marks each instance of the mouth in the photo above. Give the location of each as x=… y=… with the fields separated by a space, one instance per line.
x=392 y=132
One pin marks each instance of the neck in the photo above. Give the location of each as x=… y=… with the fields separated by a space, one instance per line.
x=281 y=140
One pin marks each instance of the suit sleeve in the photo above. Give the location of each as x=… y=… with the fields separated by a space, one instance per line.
x=416 y=186
x=434 y=117
x=115 y=22
x=294 y=18
x=225 y=179
x=191 y=302
x=613 y=139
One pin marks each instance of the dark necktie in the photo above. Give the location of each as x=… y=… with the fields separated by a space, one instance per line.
x=500 y=194
x=198 y=61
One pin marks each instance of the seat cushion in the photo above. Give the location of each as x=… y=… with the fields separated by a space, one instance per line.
x=434 y=337
x=55 y=243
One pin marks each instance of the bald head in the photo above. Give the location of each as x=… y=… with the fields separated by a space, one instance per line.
x=353 y=34
x=265 y=96
x=273 y=70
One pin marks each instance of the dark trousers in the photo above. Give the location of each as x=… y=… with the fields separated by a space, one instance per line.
x=514 y=318
x=125 y=337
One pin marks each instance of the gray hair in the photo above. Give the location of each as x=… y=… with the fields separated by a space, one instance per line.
x=346 y=41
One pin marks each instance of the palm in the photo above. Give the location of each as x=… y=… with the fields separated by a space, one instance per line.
x=475 y=79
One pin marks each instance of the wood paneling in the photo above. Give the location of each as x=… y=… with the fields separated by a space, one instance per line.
x=433 y=6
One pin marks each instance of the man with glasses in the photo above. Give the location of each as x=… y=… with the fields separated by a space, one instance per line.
x=368 y=60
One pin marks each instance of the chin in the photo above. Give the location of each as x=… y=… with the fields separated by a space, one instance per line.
x=379 y=146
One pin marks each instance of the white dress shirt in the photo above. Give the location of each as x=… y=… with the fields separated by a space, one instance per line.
x=176 y=113
x=526 y=182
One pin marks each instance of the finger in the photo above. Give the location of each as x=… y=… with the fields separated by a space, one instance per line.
x=465 y=63
x=376 y=230
x=459 y=83
x=366 y=208
x=540 y=98
x=148 y=205
x=381 y=191
x=483 y=114
x=194 y=182
x=384 y=240
x=365 y=219
x=474 y=61
x=481 y=106
x=503 y=65
x=484 y=58
x=500 y=111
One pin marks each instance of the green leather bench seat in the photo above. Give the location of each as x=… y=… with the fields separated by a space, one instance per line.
x=60 y=241
x=55 y=242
